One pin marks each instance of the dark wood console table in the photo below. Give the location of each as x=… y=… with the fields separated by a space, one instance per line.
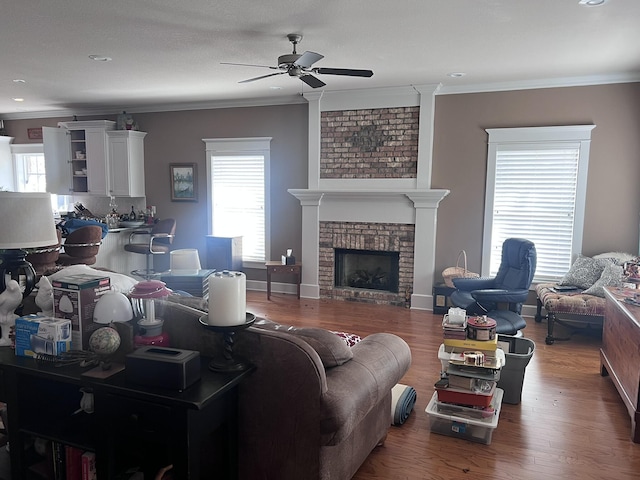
x=619 y=355
x=195 y=430
x=279 y=268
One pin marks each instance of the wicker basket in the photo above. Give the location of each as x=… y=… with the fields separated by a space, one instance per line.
x=458 y=271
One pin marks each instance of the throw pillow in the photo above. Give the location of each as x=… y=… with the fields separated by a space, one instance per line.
x=584 y=272
x=350 y=338
x=619 y=258
x=611 y=277
x=332 y=350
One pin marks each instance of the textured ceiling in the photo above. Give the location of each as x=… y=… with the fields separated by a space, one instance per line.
x=167 y=53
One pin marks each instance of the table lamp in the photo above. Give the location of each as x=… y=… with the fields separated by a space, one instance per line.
x=26 y=222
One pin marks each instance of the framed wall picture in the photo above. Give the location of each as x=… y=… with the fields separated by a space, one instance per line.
x=34 y=133
x=184 y=187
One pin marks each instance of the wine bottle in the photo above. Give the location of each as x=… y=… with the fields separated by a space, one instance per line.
x=132 y=215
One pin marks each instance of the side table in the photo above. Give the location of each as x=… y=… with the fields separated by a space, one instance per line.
x=279 y=268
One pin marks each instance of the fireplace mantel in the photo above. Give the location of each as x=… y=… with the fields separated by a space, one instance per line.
x=428 y=197
x=410 y=206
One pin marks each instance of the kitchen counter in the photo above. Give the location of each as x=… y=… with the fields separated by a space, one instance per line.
x=114 y=257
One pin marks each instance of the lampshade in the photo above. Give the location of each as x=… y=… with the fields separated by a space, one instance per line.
x=27 y=220
x=185 y=261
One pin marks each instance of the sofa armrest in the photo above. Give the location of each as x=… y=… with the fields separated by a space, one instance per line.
x=379 y=362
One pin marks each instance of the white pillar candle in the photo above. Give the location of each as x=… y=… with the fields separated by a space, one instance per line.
x=227 y=298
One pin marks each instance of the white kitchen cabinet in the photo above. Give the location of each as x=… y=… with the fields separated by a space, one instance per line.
x=126 y=163
x=76 y=157
x=92 y=158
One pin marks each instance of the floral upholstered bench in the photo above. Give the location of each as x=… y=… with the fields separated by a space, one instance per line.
x=585 y=303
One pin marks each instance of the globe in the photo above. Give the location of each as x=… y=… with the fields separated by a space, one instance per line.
x=104 y=341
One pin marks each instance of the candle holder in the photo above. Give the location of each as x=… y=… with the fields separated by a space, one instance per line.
x=227 y=362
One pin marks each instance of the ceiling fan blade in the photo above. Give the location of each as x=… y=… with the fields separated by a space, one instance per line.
x=261 y=77
x=307 y=59
x=344 y=71
x=312 y=81
x=248 y=65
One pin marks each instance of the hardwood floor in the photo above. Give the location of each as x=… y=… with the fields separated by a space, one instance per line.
x=570 y=424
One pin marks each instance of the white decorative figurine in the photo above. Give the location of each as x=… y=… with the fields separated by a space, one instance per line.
x=9 y=301
x=44 y=297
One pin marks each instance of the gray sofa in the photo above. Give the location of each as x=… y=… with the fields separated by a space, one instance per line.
x=314 y=408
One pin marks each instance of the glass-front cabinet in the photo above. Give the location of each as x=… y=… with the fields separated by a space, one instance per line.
x=88 y=157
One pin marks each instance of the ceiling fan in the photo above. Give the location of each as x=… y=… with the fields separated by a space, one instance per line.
x=299 y=65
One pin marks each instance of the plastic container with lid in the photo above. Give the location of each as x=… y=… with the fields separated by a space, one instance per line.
x=456 y=425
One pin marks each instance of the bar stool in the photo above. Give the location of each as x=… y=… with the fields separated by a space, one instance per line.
x=159 y=242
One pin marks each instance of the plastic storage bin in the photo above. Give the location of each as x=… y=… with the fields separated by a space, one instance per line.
x=518 y=354
x=466 y=397
x=475 y=430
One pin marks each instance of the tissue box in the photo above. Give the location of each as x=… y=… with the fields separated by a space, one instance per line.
x=40 y=334
x=288 y=260
x=171 y=368
x=75 y=298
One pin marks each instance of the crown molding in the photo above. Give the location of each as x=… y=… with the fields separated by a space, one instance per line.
x=169 y=107
x=540 y=83
x=300 y=99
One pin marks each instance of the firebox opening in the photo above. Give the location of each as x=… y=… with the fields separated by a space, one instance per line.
x=374 y=270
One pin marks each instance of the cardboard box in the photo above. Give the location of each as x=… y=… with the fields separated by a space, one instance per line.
x=40 y=334
x=75 y=298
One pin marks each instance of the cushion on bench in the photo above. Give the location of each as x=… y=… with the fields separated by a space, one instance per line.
x=576 y=303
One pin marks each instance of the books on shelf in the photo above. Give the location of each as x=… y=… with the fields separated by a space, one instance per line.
x=89 y=466
x=73 y=462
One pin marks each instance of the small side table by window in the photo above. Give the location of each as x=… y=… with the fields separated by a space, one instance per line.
x=279 y=268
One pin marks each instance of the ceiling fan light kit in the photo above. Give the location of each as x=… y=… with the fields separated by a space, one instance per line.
x=299 y=65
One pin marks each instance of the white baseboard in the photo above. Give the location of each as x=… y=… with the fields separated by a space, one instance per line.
x=418 y=302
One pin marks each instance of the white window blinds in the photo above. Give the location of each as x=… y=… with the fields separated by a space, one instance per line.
x=238 y=202
x=535 y=190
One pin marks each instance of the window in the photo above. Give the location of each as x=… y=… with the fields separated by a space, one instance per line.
x=536 y=187
x=237 y=186
x=30 y=175
x=29 y=168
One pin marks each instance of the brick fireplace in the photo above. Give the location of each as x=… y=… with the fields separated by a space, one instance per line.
x=369 y=171
x=366 y=237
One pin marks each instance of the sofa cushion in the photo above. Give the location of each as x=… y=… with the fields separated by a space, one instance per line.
x=332 y=349
x=585 y=271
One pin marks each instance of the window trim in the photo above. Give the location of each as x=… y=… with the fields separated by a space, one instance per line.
x=579 y=135
x=238 y=147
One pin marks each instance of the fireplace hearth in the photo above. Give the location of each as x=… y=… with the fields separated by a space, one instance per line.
x=367 y=269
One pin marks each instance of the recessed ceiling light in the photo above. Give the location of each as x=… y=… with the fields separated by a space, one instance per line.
x=100 y=58
x=456 y=74
x=592 y=3
x=18 y=99
x=275 y=88
x=19 y=80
